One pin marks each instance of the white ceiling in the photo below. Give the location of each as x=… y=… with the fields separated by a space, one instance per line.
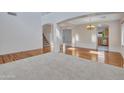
x=44 y=13
x=95 y=19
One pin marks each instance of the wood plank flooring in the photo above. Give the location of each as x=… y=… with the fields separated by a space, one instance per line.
x=107 y=57
x=112 y=58
x=21 y=55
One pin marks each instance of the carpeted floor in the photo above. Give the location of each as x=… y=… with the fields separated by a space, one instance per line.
x=57 y=66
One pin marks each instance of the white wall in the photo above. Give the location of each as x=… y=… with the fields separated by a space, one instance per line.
x=20 y=33
x=83 y=38
x=115 y=36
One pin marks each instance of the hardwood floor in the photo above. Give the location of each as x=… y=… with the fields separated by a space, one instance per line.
x=21 y=55
x=112 y=58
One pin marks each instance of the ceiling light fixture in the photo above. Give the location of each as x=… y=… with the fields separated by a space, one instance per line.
x=90 y=26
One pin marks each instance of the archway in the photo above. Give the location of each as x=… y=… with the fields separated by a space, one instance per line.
x=47 y=36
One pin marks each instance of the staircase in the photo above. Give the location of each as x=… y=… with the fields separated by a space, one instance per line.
x=45 y=41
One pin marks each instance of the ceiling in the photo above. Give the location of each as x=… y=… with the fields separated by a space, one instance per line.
x=44 y=13
x=94 y=19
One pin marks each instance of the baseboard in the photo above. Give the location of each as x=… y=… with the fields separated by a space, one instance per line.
x=17 y=51
x=115 y=49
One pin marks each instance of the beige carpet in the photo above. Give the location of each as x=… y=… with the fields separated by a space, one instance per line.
x=57 y=66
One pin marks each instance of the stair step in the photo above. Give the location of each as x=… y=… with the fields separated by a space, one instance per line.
x=45 y=41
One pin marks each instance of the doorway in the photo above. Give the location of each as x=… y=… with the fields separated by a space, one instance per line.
x=47 y=36
x=67 y=37
x=103 y=39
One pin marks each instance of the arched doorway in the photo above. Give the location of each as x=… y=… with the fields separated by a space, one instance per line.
x=47 y=36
